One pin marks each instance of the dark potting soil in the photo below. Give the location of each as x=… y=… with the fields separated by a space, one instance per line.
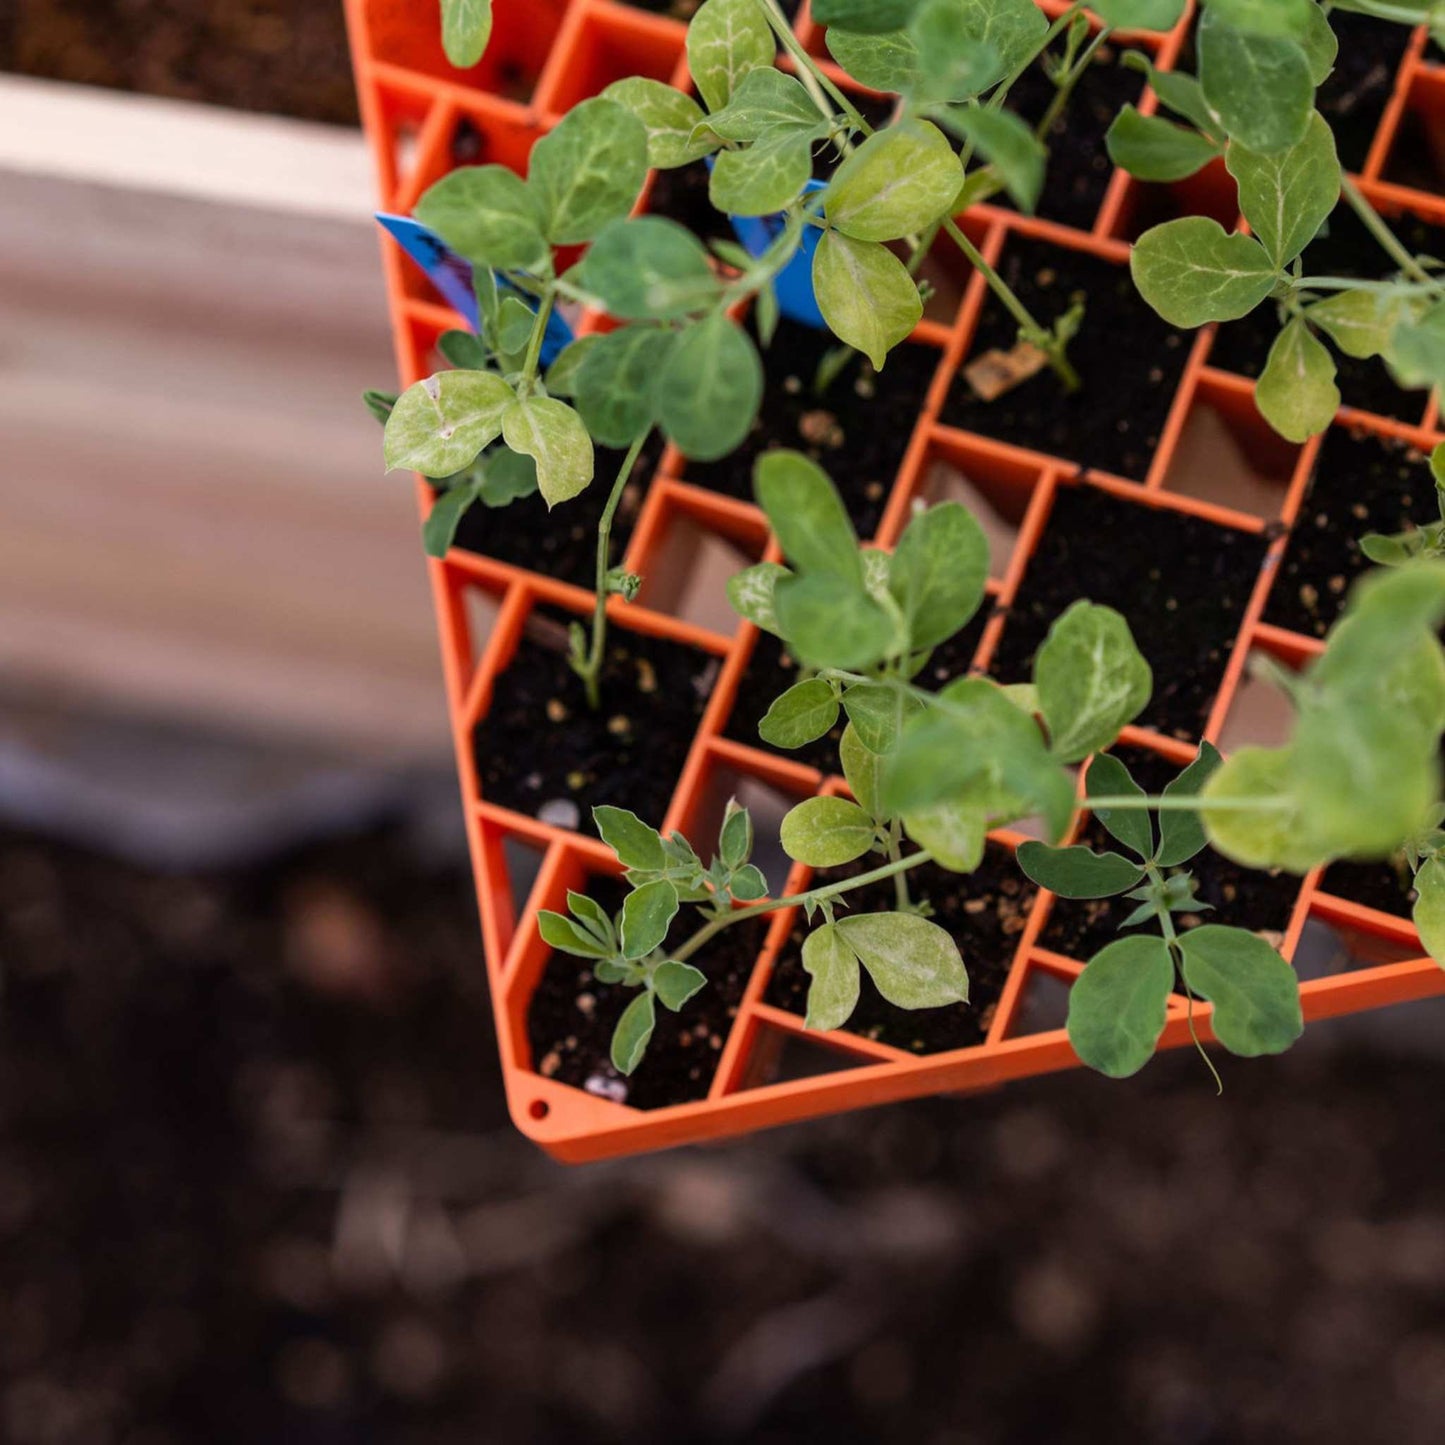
x=541 y=744
x=771 y=672
x=1343 y=248
x=1129 y=360
x=857 y=431
x=984 y=911
x=571 y=1018
x=562 y=544
x=681 y=195
x=1362 y=484
x=1243 y=897
x=1355 y=93
x=1079 y=167
x=1182 y=583
x=1385 y=886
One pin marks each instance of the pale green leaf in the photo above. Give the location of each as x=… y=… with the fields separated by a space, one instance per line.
x=1296 y=392
x=807 y=515
x=647 y=913
x=589 y=170
x=878 y=713
x=751 y=594
x=889 y=63
x=801 y=715
x=1287 y=195
x=1417 y=348
x=489 y=215
x=863 y=771
x=1191 y=272
x=826 y=832
x=707 y=400
x=553 y=435
x=725 y=40
x=1253 y=837
x=1078 y=872
x=1092 y=680
x=1254 y=991
x=1430 y=907
x=439 y=426
x=829 y=621
x=866 y=295
x=1361 y=323
x=651 y=268
x=938 y=573
x=898 y=182
x=913 y=963
x=675 y=983
x=763 y=178
x=835 y=978
x=954 y=831
x=466 y=30
x=634 y=1029
x=766 y=100
x=675 y=125
x=1118 y=1005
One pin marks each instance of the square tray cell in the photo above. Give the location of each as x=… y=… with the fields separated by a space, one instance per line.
x=1386 y=887
x=858 y=430
x=1079 y=168
x=1362 y=483
x=571 y=1017
x=1129 y=360
x=1343 y=248
x=984 y=911
x=1182 y=582
x=1250 y=898
x=541 y=750
x=1355 y=93
x=562 y=544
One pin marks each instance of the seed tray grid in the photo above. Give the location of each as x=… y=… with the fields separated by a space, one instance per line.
x=413 y=104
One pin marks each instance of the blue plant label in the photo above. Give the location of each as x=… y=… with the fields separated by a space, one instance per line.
x=452 y=276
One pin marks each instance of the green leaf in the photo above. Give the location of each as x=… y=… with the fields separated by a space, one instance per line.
x=767 y=100
x=589 y=170
x=866 y=295
x=938 y=573
x=867 y=17
x=1287 y=195
x=562 y=374
x=807 y=515
x=440 y=528
x=466 y=29
x=647 y=913
x=829 y=621
x=912 y=962
x=1264 y=17
x=1191 y=272
x=954 y=831
x=1430 y=907
x=1138 y=14
x=592 y=916
x=1109 y=778
x=748 y=884
x=1011 y=31
x=825 y=832
x=649 y=268
x=505 y=476
x=890 y=63
x=439 y=426
x=708 y=397
x=751 y=594
x=553 y=435
x=1092 y=680
x=1181 y=835
x=463 y=350
x=1417 y=348
x=1296 y=392
x=801 y=715
x=1260 y=86
x=560 y=932
x=1254 y=991
x=674 y=122
x=675 y=983
x=617 y=383
x=1078 y=872
x=954 y=62
x=1010 y=147
x=1118 y=1005
x=836 y=980
x=636 y=845
x=489 y=215
x=1258 y=839
x=898 y=182
x=1361 y=323
x=765 y=177
x=878 y=713
x=735 y=839
x=1155 y=149
x=515 y=323
x=863 y=770
x=725 y=40
x=1177 y=91
x=634 y=1029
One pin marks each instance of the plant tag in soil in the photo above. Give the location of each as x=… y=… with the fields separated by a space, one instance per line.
x=998 y=371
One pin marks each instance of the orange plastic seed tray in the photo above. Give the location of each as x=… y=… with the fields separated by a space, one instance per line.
x=422 y=117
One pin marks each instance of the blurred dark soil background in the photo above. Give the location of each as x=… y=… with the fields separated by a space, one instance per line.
x=285 y=57
x=257 y=1185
